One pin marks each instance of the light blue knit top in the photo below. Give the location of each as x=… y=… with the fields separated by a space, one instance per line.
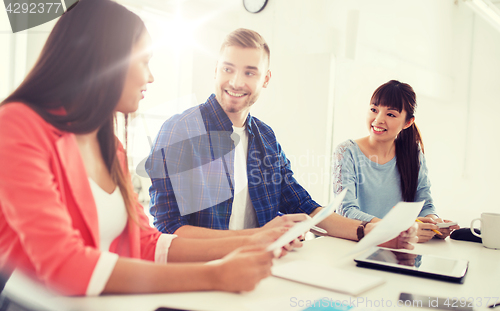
x=372 y=188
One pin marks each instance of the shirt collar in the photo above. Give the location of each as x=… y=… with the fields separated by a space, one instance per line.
x=222 y=120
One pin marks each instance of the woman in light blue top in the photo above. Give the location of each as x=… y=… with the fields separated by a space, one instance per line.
x=388 y=166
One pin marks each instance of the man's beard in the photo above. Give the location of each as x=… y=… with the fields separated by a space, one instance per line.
x=228 y=107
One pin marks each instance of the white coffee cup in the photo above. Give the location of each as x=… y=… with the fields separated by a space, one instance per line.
x=490 y=229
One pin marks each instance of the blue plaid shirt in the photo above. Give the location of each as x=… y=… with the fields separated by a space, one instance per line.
x=191 y=167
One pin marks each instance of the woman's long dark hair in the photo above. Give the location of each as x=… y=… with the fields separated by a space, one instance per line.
x=81 y=72
x=400 y=96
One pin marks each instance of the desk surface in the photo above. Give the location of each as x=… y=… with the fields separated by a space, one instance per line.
x=481 y=282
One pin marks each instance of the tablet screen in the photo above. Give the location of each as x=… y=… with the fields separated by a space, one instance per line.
x=414 y=261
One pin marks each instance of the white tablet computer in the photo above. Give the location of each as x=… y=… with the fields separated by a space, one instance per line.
x=442 y=268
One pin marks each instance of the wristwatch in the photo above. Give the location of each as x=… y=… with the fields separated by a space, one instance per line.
x=361 y=230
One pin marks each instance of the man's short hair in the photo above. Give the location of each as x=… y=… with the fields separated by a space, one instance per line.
x=246 y=38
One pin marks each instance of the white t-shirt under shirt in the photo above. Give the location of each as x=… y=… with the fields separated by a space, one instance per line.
x=111 y=213
x=243 y=214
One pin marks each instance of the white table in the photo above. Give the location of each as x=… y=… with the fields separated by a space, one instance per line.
x=482 y=280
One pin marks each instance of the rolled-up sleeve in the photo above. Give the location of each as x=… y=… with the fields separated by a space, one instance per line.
x=162 y=247
x=101 y=274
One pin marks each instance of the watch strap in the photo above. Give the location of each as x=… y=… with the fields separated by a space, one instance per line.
x=361 y=230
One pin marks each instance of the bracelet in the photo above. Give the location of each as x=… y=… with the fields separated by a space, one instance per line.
x=361 y=230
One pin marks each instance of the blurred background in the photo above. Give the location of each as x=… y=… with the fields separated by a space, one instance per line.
x=327 y=58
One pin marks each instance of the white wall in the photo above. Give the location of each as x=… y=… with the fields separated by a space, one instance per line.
x=482 y=168
x=327 y=58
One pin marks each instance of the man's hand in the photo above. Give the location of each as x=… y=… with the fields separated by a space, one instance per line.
x=288 y=221
x=268 y=236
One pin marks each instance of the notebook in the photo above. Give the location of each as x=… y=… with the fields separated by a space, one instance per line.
x=327 y=277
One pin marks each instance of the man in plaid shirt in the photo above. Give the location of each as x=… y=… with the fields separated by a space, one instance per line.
x=216 y=167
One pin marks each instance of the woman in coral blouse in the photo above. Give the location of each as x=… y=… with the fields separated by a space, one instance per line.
x=68 y=215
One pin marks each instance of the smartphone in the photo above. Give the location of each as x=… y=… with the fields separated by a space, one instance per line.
x=445 y=224
x=421 y=301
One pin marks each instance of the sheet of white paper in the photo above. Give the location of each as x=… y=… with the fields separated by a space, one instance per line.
x=399 y=219
x=321 y=275
x=305 y=225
